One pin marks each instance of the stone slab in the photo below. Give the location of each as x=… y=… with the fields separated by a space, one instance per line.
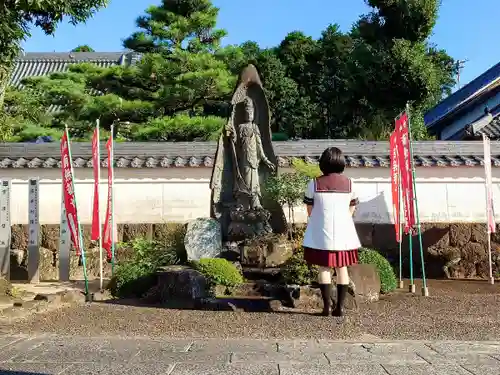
x=336 y=358
x=82 y=354
x=482 y=369
x=181 y=357
x=467 y=347
x=462 y=358
x=426 y=369
x=234 y=346
x=156 y=368
x=280 y=357
x=314 y=369
x=145 y=344
x=321 y=346
x=233 y=369
x=50 y=354
x=9 y=340
x=420 y=349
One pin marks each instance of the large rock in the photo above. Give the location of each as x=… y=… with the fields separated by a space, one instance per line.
x=179 y=286
x=203 y=239
x=365 y=282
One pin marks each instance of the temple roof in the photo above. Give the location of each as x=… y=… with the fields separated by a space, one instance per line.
x=202 y=154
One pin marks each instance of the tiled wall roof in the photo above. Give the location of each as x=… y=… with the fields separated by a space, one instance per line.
x=201 y=154
x=41 y=64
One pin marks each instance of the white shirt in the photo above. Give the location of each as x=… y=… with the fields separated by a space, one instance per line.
x=331 y=226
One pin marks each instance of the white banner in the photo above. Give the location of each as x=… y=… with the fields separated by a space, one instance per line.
x=64 y=244
x=490 y=213
x=34 y=231
x=5 y=186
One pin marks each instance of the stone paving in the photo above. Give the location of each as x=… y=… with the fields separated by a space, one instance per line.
x=50 y=354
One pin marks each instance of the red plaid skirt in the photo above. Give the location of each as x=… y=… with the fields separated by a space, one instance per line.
x=332 y=259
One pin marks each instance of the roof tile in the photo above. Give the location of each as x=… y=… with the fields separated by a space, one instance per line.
x=201 y=154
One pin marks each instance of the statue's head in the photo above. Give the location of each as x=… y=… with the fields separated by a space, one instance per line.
x=249 y=110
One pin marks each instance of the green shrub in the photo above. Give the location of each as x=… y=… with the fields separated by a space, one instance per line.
x=136 y=275
x=309 y=170
x=179 y=128
x=280 y=137
x=388 y=281
x=296 y=271
x=219 y=271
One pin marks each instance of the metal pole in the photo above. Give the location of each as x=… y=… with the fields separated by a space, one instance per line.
x=488 y=192
x=112 y=229
x=425 y=289
x=401 y=283
x=101 y=265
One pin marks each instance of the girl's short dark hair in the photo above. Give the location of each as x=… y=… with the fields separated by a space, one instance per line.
x=332 y=161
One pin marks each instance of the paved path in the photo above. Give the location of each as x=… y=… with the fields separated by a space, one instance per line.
x=125 y=356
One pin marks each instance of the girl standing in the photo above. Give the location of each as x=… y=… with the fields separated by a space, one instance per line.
x=331 y=240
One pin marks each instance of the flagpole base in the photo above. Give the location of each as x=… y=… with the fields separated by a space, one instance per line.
x=492 y=280
x=411 y=288
x=89 y=297
x=425 y=291
x=401 y=284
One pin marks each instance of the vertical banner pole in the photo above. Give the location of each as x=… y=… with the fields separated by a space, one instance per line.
x=112 y=229
x=5 y=234
x=410 y=245
x=34 y=231
x=79 y=229
x=425 y=289
x=97 y=182
x=401 y=283
x=64 y=243
x=488 y=188
x=492 y=279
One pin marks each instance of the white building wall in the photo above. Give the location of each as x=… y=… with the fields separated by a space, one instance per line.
x=451 y=194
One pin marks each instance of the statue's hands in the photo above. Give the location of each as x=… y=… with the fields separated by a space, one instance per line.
x=229 y=131
x=270 y=165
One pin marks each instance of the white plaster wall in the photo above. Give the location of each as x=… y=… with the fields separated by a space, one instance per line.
x=180 y=194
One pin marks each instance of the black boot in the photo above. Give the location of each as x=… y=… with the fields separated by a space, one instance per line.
x=341 y=294
x=326 y=295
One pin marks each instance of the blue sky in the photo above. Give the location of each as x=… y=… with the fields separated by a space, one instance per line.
x=467 y=29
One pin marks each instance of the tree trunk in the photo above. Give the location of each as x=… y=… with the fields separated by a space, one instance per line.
x=5 y=69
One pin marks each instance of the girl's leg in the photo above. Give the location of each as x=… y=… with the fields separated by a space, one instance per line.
x=342 y=288
x=325 y=285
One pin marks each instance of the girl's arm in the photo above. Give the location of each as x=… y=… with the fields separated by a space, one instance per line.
x=354 y=201
x=309 y=197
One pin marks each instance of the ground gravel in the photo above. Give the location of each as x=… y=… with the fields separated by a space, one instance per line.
x=456 y=310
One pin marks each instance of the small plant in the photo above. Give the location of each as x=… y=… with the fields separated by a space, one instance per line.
x=388 y=281
x=219 y=271
x=136 y=275
x=297 y=272
x=286 y=189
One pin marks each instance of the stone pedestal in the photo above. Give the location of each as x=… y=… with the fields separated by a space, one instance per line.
x=179 y=286
x=267 y=251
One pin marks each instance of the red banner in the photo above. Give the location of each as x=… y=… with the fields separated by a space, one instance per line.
x=69 y=194
x=108 y=223
x=96 y=223
x=405 y=169
x=395 y=184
